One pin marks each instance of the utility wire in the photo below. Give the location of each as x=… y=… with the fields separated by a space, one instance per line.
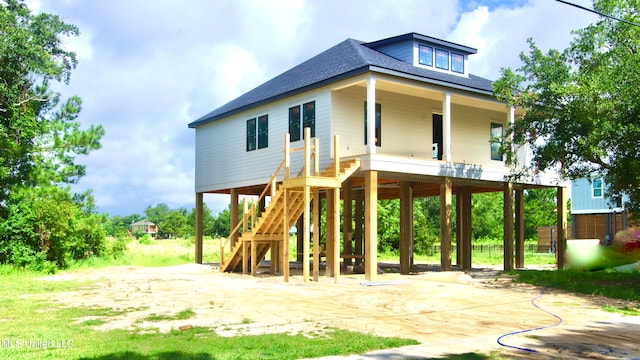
x=598 y=13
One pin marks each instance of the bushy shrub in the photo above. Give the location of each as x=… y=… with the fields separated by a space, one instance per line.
x=45 y=226
x=115 y=247
x=145 y=239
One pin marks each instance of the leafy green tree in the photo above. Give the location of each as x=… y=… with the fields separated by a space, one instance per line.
x=208 y=221
x=487 y=216
x=39 y=134
x=583 y=103
x=221 y=224
x=539 y=210
x=388 y=225
x=40 y=221
x=157 y=214
x=173 y=225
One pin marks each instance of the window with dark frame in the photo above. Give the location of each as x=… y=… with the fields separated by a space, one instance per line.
x=496 y=141
x=251 y=134
x=294 y=123
x=442 y=59
x=378 y=130
x=263 y=131
x=308 y=119
x=457 y=63
x=425 y=55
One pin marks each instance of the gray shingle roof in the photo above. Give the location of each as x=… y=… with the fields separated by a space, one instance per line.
x=348 y=58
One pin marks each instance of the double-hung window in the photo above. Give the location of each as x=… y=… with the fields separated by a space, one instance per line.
x=308 y=119
x=378 y=130
x=597 y=188
x=258 y=133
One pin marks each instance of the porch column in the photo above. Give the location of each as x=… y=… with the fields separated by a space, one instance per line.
x=316 y=235
x=519 y=228
x=347 y=215
x=464 y=226
x=406 y=227
x=233 y=215
x=299 y=238
x=371 y=115
x=445 y=223
x=198 y=229
x=508 y=226
x=284 y=256
x=357 y=233
x=446 y=126
x=335 y=231
x=561 y=244
x=371 y=224
x=331 y=220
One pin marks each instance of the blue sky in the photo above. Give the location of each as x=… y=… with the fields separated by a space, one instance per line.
x=149 y=67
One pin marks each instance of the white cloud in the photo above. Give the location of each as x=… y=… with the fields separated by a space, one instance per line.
x=232 y=71
x=147 y=69
x=500 y=35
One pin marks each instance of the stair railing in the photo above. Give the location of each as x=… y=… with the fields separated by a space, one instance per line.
x=311 y=161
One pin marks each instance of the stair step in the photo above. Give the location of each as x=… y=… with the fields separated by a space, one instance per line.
x=270 y=221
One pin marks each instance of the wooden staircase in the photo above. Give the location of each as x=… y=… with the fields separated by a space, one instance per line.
x=268 y=230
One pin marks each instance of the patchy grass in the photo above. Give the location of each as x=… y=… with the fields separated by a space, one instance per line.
x=31 y=328
x=624 y=310
x=624 y=286
x=182 y=315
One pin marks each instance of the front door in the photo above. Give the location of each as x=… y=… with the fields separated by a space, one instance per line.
x=437 y=137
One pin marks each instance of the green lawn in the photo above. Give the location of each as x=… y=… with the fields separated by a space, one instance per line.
x=40 y=329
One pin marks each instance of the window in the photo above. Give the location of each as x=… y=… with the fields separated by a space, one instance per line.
x=308 y=120
x=263 y=131
x=425 y=55
x=251 y=134
x=596 y=188
x=309 y=117
x=496 y=141
x=442 y=59
x=378 y=124
x=457 y=63
x=294 y=123
x=259 y=137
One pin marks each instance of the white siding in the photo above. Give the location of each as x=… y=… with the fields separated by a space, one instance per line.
x=407 y=126
x=471 y=135
x=222 y=161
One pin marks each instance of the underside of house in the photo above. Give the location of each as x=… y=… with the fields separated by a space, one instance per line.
x=278 y=206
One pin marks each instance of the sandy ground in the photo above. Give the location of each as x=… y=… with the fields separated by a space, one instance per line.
x=448 y=313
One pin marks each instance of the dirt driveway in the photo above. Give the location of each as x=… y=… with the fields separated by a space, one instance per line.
x=447 y=312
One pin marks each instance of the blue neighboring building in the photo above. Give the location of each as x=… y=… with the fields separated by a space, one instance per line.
x=594 y=215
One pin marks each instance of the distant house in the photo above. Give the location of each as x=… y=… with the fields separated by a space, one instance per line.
x=595 y=215
x=145 y=227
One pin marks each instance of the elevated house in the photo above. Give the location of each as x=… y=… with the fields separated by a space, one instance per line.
x=145 y=227
x=397 y=118
x=594 y=215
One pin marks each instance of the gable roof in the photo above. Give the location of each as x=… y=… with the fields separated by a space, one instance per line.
x=143 y=222
x=348 y=58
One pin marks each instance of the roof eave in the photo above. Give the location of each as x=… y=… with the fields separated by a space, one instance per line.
x=358 y=71
x=300 y=90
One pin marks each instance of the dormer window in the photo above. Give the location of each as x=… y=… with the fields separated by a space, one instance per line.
x=425 y=56
x=457 y=63
x=442 y=59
